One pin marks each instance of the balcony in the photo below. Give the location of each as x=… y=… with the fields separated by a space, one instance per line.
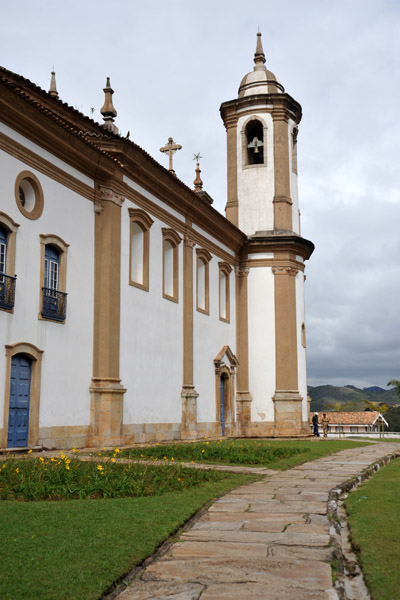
x=7 y=291
x=54 y=305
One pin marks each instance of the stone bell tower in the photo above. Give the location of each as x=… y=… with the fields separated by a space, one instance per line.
x=262 y=127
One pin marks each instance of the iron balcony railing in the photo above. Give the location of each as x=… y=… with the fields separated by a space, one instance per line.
x=54 y=304
x=7 y=291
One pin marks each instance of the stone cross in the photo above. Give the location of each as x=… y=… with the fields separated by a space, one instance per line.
x=170 y=148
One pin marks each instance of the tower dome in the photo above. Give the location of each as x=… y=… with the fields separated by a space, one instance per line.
x=259 y=80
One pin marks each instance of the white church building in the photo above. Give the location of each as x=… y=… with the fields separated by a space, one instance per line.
x=130 y=309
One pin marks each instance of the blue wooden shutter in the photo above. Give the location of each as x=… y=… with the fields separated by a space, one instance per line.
x=3 y=249
x=51 y=267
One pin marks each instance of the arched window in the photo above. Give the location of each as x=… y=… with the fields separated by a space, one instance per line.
x=254 y=135
x=203 y=293
x=8 y=232
x=140 y=248
x=224 y=291
x=53 y=278
x=171 y=241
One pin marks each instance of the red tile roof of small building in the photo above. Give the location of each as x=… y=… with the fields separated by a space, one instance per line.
x=367 y=417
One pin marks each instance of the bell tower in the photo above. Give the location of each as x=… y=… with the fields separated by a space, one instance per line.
x=262 y=129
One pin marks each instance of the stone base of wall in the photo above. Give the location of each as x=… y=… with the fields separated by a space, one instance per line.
x=66 y=437
x=79 y=436
x=288 y=413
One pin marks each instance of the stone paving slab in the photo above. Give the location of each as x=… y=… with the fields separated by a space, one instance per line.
x=268 y=540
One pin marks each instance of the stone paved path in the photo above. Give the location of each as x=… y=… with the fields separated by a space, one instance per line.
x=268 y=540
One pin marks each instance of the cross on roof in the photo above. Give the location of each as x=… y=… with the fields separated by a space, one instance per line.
x=170 y=148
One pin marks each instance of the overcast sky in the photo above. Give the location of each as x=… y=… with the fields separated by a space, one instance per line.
x=172 y=64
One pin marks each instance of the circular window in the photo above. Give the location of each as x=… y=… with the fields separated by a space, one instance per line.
x=29 y=195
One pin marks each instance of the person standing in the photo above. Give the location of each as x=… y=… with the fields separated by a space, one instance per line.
x=325 y=425
x=315 y=424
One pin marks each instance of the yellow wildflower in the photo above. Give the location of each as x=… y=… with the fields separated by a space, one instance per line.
x=30 y=451
x=99 y=468
x=203 y=450
x=113 y=460
x=67 y=467
x=17 y=470
x=172 y=458
x=179 y=478
x=117 y=450
x=41 y=459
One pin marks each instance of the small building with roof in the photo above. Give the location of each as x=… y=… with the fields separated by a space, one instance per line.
x=352 y=422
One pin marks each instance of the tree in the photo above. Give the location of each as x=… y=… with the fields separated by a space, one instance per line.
x=396 y=384
x=380 y=407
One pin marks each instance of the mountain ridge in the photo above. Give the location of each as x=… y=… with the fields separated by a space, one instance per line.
x=322 y=395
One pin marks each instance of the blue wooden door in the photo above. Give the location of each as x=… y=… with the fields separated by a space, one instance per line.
x=222 y=404
x=20 y=389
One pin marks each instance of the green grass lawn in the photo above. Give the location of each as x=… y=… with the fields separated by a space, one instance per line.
x=56 y=547
x=75 y=549
x=374 y=519
x=274 y=454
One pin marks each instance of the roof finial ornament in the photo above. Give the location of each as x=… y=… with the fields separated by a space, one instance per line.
x=198 y=184
x=259 y=56
x=53 y=87
x=170 y=148
x=108 y=111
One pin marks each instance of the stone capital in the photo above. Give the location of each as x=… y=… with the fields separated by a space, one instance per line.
x=285 y=271
x=106 y=194
x=189 y=242
x=242 y=271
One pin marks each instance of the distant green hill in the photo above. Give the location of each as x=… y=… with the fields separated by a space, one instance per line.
x=329 y=394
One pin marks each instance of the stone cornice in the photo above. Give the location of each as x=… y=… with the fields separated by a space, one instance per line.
x=279 y=242
x=281 y=106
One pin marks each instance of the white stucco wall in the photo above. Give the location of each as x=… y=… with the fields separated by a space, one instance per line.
x=138 y=188
x=301 y=351
x=54 y=160
x=210 y=334
x=261 y=307
x=151 y=337
x=66 y=373
x=256 y=185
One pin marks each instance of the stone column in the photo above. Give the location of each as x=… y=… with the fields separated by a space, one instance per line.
x=188 y=394
x=287 y=399
x=107 y=393
x=282 y=200
x=243 y=396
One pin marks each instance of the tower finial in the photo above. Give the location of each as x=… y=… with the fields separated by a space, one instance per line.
x=108 y=111
x=198 y=184
x=53 y=88
x=259 y=56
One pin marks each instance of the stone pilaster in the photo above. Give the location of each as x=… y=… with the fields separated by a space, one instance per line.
x=188 y=394
x=106 y=391
x=282 y=200
x=243 y=396
x=287 y=399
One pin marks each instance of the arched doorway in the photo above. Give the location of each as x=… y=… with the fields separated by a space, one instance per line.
x=19 y=405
